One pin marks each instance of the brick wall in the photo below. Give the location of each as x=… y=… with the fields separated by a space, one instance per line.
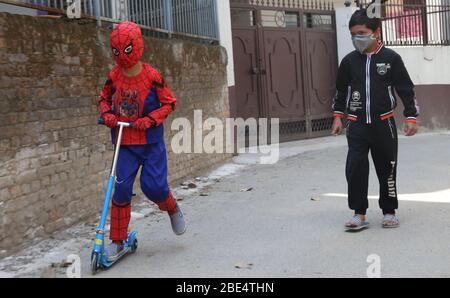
x=54 y=159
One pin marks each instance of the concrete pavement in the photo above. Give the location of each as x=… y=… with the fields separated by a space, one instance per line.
x=289 y=222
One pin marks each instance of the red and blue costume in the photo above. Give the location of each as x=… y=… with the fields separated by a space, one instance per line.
x=146 y=101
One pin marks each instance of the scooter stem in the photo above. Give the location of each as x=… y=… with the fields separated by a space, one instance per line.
x=121 y=125
x=110 y=186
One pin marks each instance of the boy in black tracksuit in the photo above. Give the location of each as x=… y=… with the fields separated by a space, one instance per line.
x=365 y=96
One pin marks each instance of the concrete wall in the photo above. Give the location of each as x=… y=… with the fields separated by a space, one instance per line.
x=428 y=68
x=226 y=40
x=344 y=38
x=54 y=159
x=341 y=3
x=225 y=35
x=427 y=65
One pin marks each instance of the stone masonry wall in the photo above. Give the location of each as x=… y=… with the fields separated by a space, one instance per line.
x=54 y=159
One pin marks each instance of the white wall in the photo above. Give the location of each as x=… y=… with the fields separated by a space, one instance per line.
x=226 y=37
x=344 y=39
x=340 y=3
x=427 y=65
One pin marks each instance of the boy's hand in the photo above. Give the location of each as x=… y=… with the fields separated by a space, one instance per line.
x=110 y=120
x=411 y=129
x=144 y=123
x=338 y=127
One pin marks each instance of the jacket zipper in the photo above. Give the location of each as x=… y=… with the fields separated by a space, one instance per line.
x=392 y=97
x=369 y=118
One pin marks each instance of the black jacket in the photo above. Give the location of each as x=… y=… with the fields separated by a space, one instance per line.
x=366 y=84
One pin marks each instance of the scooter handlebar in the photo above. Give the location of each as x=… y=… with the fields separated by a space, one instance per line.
x=125 y=124
x=101 y=121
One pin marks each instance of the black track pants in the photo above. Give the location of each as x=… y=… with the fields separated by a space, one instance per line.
x=381 y=139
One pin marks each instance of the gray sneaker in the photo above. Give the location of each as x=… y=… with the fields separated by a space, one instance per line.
x=114 y=252
x=177 y=222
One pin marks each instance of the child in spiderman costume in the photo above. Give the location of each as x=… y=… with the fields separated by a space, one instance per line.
x=136 y=93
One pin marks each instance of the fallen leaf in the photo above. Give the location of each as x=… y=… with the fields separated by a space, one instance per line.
x=247 y=189
x=244 y=265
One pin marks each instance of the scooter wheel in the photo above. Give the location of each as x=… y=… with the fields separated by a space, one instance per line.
x=94 y=263
x=134 y=247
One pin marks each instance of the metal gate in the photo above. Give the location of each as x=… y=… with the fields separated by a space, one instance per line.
x=285 y=64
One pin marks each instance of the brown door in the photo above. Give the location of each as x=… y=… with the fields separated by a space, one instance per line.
x=322 y=71
x=285 y=65
x=246 y=73
x=282 y=59
x=283 y=80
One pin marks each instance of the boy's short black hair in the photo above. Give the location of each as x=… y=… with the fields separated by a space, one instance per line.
x=360 y=18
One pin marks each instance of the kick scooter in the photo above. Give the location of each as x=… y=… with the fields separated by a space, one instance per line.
x=98 y=257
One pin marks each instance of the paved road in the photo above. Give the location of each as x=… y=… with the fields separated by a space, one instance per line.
x=291 y=223
x=282 y=232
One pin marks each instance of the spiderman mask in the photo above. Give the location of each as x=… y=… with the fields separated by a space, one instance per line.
x=127 y=44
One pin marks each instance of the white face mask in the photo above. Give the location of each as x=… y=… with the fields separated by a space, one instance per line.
x=363 y=42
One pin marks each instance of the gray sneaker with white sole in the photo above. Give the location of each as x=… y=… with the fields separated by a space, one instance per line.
x=177 y=222
x=114 y=252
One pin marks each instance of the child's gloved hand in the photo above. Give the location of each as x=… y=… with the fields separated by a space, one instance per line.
x=144 y=123
x=110 y=120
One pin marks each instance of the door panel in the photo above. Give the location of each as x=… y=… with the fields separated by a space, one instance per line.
x=283 y=79
x=322 y=68
x=245 y=69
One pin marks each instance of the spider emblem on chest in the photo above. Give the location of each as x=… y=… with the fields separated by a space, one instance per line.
x=129 y=103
